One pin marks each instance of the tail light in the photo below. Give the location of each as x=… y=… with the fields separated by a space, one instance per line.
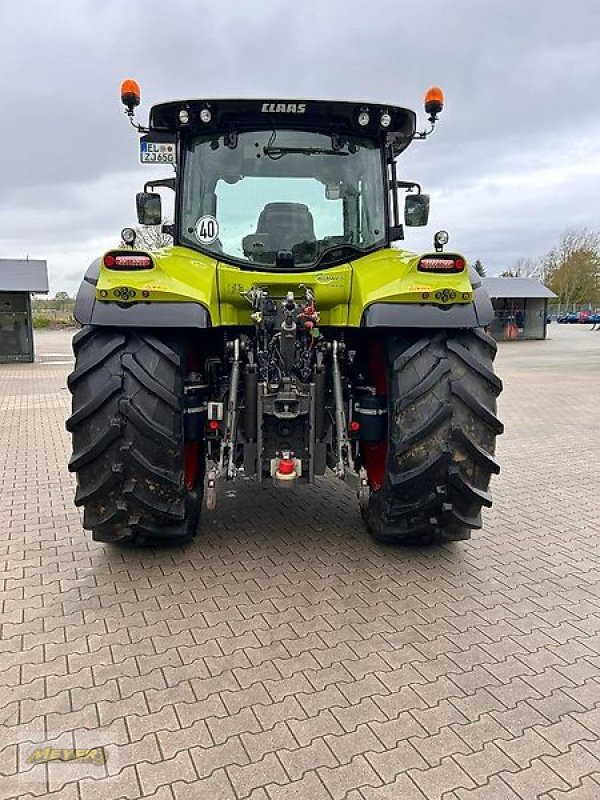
x=116 y=260
x=286 y=466
x=441 y=263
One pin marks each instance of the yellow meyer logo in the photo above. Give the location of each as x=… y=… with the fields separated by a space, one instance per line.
x=44 y=755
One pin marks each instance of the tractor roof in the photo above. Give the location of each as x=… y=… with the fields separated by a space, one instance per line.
x=223 y=115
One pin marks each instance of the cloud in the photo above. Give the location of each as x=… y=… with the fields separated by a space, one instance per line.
x=513 y=162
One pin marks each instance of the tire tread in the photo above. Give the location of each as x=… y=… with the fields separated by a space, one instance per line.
x=127 y=432
x=442 y=393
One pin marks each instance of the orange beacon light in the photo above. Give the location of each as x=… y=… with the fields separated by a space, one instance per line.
x=130 y=95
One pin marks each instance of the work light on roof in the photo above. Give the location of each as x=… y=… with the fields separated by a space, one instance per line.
x=385 y=120
x=363 y=118
x=205 y=115
x=184 y=116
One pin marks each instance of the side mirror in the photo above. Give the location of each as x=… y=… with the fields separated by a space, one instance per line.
x=149 y=208
x=416 y=210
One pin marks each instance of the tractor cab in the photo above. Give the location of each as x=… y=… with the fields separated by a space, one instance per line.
x=286 y=184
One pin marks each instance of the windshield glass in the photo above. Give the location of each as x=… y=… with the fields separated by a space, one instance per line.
x=283 y=198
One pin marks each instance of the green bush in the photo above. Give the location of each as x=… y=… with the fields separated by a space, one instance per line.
x=55 y=320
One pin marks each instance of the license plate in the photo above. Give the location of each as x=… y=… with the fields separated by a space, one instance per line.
x=157 y=152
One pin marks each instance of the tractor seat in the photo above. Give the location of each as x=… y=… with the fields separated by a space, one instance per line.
x=287 y=224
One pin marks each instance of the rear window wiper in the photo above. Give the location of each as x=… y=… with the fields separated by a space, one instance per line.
x=278 y=152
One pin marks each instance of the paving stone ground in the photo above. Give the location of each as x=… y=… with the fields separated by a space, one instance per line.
x=284 y=654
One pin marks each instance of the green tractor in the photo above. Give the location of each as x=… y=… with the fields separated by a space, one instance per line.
x=282 y=335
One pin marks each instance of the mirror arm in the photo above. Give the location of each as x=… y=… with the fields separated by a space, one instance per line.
x=168 y=183
x=408 y=185
x=394 y=183
x=396 y=233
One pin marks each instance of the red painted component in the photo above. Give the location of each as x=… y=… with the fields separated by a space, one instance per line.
x=192 y=451
x=375 y=453
x=286 y=466
x=377 y=366
x=193 y=360
x=191 y=456
x=309 y=316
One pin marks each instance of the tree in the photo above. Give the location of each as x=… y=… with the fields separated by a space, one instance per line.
x=61 y=300
x=479 y=268
x=572 y=267
x=524 y=268
x=151 y=237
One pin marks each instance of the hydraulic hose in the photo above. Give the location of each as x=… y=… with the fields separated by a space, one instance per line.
x=232 y=409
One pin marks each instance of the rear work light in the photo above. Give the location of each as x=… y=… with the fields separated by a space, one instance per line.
x=127 y=261
x=438 y=263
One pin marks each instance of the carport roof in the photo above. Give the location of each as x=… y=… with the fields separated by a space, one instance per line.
x=516 y=287
x=23 y=275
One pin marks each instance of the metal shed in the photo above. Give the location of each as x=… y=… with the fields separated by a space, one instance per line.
x=19 y=278
x=521 y=307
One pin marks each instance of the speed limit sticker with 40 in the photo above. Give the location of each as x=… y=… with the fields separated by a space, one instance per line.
x=207 y=229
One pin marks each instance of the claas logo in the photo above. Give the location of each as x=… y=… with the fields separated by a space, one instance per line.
x=283 y=108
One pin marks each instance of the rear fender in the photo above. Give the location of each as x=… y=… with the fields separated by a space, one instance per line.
x=91 y=311
x=389 y=291
x=476 y=314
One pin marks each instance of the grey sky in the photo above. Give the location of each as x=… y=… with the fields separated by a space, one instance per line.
x=515 y=158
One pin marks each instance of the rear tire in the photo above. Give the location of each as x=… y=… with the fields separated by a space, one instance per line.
x=128 y=447
x=442 y=429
